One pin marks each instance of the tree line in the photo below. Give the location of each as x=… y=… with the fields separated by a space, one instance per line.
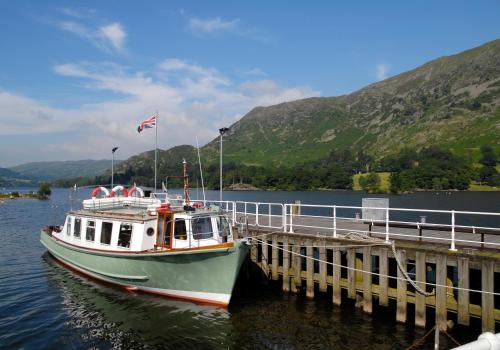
x=428 y=169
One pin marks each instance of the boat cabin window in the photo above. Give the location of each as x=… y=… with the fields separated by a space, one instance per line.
x=202 y=228
x=223 y=226
x=106 y=229
x=78 y=225
x=90 y=233
x=68 y=226
x=164 y=225
x=180 y=229
x=125 y=235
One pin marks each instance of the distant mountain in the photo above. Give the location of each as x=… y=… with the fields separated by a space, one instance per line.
x=49 y=171
x=452 y=102
x=10 y=178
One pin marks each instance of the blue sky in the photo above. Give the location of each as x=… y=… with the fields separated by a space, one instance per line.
x=77 y=77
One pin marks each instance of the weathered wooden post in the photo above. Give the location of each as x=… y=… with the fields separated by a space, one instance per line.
x=275 y=258
x=463 y=294
x=383 y=298
x=265 y=256
x=420 y=302
x=336 y=297
x=441 y=274
x=322 y=265
x=286 y=265
x=487 y=299
x=351 y=274
x=401 y=291
x=367 y=280
x=309 y=269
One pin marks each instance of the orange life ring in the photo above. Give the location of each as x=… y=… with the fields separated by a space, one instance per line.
x=117 y=189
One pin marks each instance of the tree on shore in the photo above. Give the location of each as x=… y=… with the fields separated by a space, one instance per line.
x=44 y=190
x=370 y=182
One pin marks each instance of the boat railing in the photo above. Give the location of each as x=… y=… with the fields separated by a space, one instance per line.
x=119 y=202
x=453 y=227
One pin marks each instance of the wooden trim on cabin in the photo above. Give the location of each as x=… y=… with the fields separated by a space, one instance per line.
x=149 y=251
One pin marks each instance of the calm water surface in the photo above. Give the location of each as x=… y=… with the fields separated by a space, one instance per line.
x=45 y=306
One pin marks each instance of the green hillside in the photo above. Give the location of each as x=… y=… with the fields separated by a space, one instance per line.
x=452 y=102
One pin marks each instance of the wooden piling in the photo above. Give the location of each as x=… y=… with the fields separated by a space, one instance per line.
x=309 y=270
x=383 y=298
x=367 y=280
x=351 y=274
x=274 y=258
x=463 y=294
x=441 y=274
x=293 y=268
x=254 y=251
x=297 y=266
x=322 y=266
x=265 y=256
x=336 y=298
x=401 y=291
x=420 y=306
x=286 y=265
x=487 y=300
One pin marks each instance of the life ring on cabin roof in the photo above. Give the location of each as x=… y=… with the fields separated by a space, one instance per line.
x=118 y=189
x=136 y=189
x=99 y=189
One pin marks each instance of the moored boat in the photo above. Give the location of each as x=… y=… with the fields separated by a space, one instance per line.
x=166 y=247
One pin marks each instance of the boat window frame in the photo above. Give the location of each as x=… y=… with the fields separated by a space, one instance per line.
x=168 y=218
x=87 y=227
x=186 y=233
x=79 y=219
x=193 y=221
x=130 y=237
x=110 y=232
x=69 y=226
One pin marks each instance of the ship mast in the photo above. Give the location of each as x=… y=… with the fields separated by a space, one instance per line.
x=186 y=183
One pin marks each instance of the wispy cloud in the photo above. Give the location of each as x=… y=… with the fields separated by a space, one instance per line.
x=78 y=12
x=192 y=100
x=109 y=37
x=210 y=25
x=382 y=70
x=203 y=27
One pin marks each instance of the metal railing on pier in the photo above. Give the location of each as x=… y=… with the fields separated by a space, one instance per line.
x=468 y=229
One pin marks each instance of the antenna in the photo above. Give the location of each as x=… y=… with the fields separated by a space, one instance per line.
x=201 y=171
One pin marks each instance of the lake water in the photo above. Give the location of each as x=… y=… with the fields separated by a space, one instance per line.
x=45 y=306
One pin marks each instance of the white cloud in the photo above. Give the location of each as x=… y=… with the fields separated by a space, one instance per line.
x=210 y=25
x=115 y=34
x=193 y=100
x=110 y=37
x=382 y=70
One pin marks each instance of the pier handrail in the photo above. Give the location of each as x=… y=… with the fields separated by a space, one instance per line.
x=287 y=216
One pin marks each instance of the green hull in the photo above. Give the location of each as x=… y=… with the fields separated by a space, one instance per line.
x=205 y=275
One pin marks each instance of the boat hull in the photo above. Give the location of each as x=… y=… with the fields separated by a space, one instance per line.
x=203 y=275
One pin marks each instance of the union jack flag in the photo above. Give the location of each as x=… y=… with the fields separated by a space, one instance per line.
x=148 y=123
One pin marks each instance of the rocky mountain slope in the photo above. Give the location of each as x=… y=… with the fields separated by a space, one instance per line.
x=452 y=102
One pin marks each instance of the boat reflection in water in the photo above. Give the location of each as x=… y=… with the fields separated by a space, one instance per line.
x=105 y=316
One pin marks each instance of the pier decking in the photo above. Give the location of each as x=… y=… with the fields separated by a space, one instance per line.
x=452 y=255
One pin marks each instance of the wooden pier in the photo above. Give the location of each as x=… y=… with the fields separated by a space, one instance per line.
x=424 y=259
x=458 y=265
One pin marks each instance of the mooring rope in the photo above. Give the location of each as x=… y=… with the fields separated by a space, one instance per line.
x=406 y=277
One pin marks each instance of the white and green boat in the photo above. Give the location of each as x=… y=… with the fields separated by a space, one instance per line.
x=150 y=245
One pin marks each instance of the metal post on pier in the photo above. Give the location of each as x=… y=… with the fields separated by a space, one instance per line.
x=269 y=213
x=387 y=225
x=257 y=214
x=334 y=221
x=453 y=231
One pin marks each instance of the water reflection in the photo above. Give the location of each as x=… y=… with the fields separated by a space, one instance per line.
x=107 y=316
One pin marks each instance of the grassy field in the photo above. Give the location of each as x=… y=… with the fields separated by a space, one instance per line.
x=384 y=181
x=474 y=186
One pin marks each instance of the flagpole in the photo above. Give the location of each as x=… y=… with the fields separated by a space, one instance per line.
x=156 y=145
